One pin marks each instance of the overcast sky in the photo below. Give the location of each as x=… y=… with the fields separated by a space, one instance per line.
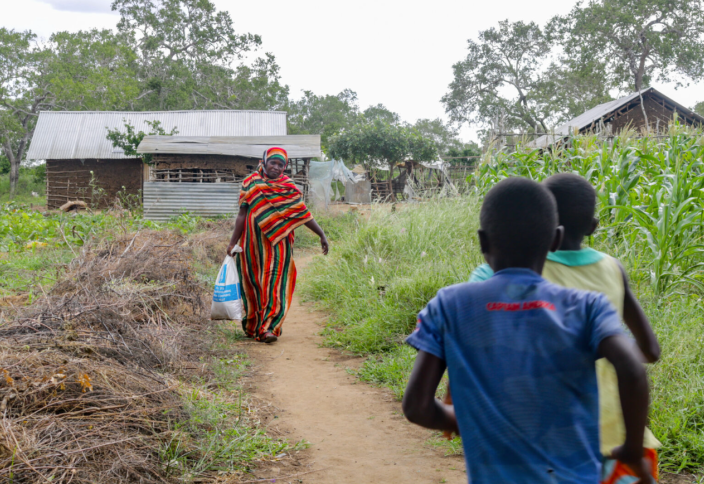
x=399 y=53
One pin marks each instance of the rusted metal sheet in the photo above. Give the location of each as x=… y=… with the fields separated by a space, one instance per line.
x=297 y=146
x=165 y=200
x=82 y=134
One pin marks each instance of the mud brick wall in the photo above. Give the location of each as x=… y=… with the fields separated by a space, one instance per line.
x=71 y=180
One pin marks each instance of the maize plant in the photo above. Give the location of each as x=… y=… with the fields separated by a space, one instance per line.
x=650 y=196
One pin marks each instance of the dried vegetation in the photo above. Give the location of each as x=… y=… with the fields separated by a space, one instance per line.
x=92 y=374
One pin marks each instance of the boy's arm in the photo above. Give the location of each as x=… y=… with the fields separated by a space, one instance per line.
x=419 y=403
x=633 y=390
x=638 y=323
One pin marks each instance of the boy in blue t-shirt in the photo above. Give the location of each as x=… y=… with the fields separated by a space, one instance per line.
x=521 y=355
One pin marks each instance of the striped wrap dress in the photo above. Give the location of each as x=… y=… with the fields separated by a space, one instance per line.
x=275 y=208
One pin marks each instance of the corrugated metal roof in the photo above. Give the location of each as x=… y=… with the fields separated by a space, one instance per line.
x=596 y=113
x=297 y=146
x=62 y=135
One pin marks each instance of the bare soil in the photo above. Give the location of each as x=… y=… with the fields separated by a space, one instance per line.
x=357 y=433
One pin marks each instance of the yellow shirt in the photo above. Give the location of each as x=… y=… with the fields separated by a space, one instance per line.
x=602 y=276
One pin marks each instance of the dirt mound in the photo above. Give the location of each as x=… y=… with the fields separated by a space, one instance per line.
x=89 y=372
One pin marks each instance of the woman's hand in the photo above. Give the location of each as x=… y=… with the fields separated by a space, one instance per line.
x=324 y=245
x=230 y=248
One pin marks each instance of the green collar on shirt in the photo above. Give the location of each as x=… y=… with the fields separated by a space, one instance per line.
x=572 y=258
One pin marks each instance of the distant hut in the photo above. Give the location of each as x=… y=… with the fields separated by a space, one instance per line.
x=202 y=175
x=81 y=164
x=628 y=111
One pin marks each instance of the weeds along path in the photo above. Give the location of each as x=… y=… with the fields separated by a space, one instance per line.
x=357 y=432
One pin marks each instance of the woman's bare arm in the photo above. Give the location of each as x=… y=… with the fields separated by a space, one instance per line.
x=239 y=228
x=315 y=228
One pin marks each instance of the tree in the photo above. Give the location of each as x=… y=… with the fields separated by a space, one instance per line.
x=638 y=41
x=574 y=86
x=382 y=144
x=130 y=139
x=83 y=70
x=699 y=108
x=468 y=154
x=382 y=113
x=325 y=115
x=501 y=79
x=444 y=135
x=186 y=50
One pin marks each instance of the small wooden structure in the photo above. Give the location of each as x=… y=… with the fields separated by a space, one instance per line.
x=82 y=164
x=202 y=175
x=655 y=112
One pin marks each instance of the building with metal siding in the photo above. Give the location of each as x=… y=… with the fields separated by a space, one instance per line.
x=202 y=174
x=82 y=164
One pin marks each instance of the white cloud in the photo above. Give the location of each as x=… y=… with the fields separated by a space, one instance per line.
x=84 y=6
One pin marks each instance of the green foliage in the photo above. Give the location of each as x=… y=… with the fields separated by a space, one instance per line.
x=637 y=41
x=324 y=115
x=470 y=150
x=378 y=142
x=130 y=139
x=218 y=434
x=444 y=135
x=507 y=59
x=699 y=108
x=650 y=197
x=187 y=50
x=30 y=180
x=382 y=272
x=381 y=113
x=83 y=70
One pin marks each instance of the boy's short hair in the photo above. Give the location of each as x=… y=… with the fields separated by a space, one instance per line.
x=576 y=202
x=519 y=217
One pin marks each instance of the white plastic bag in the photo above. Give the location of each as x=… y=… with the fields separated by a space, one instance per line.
x=227 y=299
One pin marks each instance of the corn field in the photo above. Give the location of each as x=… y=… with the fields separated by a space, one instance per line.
x=650 y=198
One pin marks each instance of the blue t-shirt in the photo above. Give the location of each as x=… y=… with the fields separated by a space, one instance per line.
x=520 y=353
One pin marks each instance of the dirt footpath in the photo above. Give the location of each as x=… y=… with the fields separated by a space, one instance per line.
x=357 y=432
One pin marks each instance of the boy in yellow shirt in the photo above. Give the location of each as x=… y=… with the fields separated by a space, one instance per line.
x=587 y=269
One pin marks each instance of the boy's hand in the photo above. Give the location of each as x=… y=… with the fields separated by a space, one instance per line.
x=447 y=400
x=635 y=460
x=419 y=403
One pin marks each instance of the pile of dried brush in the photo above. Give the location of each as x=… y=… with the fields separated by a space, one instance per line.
x=89 y=372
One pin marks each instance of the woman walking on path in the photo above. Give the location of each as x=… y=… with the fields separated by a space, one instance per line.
x=271 y=208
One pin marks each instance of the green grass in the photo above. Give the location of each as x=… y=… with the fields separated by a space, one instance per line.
x=382 y=272
x=335 y=226
x=35 y=248
x=219 y=434
x=27 y=184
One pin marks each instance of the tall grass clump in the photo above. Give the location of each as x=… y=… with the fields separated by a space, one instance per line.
x=384 y=270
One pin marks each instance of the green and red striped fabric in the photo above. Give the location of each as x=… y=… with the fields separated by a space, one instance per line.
x=276 y=205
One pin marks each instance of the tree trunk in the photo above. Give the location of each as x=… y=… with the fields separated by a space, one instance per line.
x=391 y=185
x=14 y=173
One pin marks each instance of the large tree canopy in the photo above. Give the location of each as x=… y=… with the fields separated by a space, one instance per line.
x=325 y=115
x=638 y=41
x=500 y=81
x=186 y=49
x=80 y=71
